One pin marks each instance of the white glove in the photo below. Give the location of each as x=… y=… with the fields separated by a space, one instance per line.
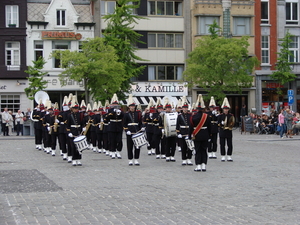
x=179 y=136
x=209 y=140
x=84 y=129
x=118 y=111
x=56 y=121
x=151 y=114
x=222 y=122
x=70 y=135
x=128 y=133
x=48 y=128
x=143 y=129
x=99 y=125
x=186 y=138
x=162 y=131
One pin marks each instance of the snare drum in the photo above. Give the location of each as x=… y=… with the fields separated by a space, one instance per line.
x=81 y=143
x=139 y=140
x=170 y=120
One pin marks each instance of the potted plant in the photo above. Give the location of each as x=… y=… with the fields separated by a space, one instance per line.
x=12 y=25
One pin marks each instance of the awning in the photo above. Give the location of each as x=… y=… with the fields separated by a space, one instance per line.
x=146 y=99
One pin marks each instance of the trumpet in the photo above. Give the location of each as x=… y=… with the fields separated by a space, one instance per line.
x=55 y=124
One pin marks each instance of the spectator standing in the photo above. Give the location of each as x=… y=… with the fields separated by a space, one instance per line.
x=289 y=123
x=27 y=114
x=281 y=123
x=19 y=122
x=11 y=123
x=5 y=120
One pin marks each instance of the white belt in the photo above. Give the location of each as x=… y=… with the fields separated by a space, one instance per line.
x=76 y=126
x=62 y=123
x=115 y=120
x=150 y=123
x=133 y=124
x=202 y=128
x=214 y=121
x=184 y=126
x=35 y=120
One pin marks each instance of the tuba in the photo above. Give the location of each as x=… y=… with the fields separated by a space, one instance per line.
x=41 y=95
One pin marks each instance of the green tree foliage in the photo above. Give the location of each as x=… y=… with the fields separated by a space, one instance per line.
x=96 y=65
x=220 y=65
x=283 y=73
x=36 y=82
x=120 y=34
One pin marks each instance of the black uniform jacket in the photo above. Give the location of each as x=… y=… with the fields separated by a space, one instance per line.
x=204 y=133
x=132 y=121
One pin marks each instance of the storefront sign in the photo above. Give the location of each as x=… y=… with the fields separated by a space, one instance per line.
x=274 y=85
x=159 y=88
x=56 y=84
x=62 y=35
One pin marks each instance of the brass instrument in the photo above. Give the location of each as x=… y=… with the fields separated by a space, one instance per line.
x=228 y=125
x=55 y=124
x=87 y=127
x=101 y=125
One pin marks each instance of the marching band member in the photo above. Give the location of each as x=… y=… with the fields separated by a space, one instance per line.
x=170 y=141
x=47 y=128
x=213 y=114
x=226 y=122
x=38 y=125
x=182 y=128
x=200 y=131
x=74 y=125
x=62 y=117
x=147 y=121
x=87 y=123
x=99 y=125
x=54 y=128
x=93 y=127
x=132 y=125
x=106 y=143
x=157 y=131
x=115 y=119
x=178 y=111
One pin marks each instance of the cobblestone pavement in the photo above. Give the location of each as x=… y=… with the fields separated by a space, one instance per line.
x=261 y=186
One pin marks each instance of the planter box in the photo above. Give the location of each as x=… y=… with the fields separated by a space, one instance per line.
x=12 y=25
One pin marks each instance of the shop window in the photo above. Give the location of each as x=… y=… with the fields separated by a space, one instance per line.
x=165 y=40
x=265 y=49
x=204 y=23
x=291 y=13
x=12 y=55
x=241 y=26
x=59 y=45
x=294 y=49
x=165 y=8
x=12 y=15
x=12 y=102
x=38 y=49
x=107 y=7
x=61 y=17
x=165 y=72
x=265 y=11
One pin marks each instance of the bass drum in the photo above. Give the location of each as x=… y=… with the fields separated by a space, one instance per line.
x=170 y=120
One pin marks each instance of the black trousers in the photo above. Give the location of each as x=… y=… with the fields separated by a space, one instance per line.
x=63 y=142
x=38 y=136
x=156 y=139
x=4 y=129
x=69 y=145
x=132 y=151
x=19 y=128
x=223 y=141
x=115 y=139
x=54 y=138
x=201 y=153
x=150 y=139
x=100 y=140
x=170 y=146
x=212 y=145
x=106 y=141
x=94 y=138
x=75 y=154
x=185 y=152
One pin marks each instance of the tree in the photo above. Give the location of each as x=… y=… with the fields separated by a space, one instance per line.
x=220 y=65
x=283 y=74
x=96 y=65
x=36 y=82
x=120 y=34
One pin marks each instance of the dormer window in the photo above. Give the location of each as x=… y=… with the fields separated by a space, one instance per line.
x=61 y=17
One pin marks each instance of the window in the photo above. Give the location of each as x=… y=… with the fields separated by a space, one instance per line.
x=12 y=102
x=38 y=49
x=165 y=8
x=162 y=40
x=168 y=72
x=12 y=55
x=291 y=7
x=12 y=15
x=241 y=25
x=265 y=49
x=59 y=45
x=265 y=11
x=61 y=17
x=134 y=10
x=107 y=7
x=294 y=49
x=204 y=22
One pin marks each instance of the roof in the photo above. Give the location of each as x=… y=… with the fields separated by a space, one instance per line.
x=75 y=2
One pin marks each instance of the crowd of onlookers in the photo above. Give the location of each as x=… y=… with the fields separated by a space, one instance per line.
x=286 y=123
x=13 y=122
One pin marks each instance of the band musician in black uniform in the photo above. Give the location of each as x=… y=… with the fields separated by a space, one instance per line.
x=213 y=114
x=74 y=127
x=200 y=131
x=132 y=123
x=38 y=125
x=99 y=125
x=157 y=134
x=63 y=117
x=182 y=129
x=148 y=123
x=226 y=122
